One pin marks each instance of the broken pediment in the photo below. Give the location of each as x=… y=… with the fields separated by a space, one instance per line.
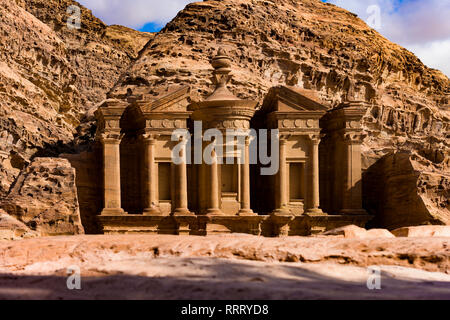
x=176 y=99
x=292 y=100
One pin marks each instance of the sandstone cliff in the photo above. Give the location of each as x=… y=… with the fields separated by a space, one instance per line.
x=51 y=78
x=302 y=43
x=312 y=45
x=50 y=75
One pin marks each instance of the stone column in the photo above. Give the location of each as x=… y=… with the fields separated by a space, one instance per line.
x=352 y=189
x=111 y=176
x=313 y=201
x=181 y=195
x=151 y=202
x=245 y=182
x=214 y=203
x=281 y=201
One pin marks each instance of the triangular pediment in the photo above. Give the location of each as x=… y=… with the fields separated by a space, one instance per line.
x=288 y=99
x=176 y=100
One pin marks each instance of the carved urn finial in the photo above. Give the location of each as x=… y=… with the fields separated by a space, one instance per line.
x=221 y=76
x=222 y=68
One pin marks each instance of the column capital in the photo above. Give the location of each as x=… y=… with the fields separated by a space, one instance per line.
x=150 y=138
x=283 y=138
x=108 y=138
x=284 y=135
x=315 y=138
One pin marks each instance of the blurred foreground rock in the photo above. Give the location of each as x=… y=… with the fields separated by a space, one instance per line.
x=13 y=229
x=423 y=231
x=355 y=232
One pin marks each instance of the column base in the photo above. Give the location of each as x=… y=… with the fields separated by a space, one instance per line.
x=314 y=212
x=246 y=213
x=180 y=212
x=113 y=212
x=152 y=212
x=355 y=212
x=214 y=212
x=282 y=212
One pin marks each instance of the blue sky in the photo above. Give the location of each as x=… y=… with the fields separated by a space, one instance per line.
x=151 y=27
x=421 y=26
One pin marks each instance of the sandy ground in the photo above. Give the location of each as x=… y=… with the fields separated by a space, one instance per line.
x=224 y=267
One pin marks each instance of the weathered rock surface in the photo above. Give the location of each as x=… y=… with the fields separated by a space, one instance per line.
x=355 y=232
x=400 y=190
x=430 y=254
x=224 y=267
x=35 y=108
x=50 y=75
x=131 y=40
x=45 y=198
x=423 y=231
x=13 y=229
x=98 y=53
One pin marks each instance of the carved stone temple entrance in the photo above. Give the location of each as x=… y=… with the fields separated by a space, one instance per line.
x=317 y=186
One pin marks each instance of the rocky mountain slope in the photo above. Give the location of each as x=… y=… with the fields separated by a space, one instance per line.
x=316 y=46
x=51 y=75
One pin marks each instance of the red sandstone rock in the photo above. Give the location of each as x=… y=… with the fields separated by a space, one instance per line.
x=51 y=75
x=355 y=232
x=379 y=233
x=11 y=228
x=224 y=267
x=431 y=254
x=320 y=47
x=423 y=231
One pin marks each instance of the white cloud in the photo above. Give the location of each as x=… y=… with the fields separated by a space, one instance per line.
x=434 y=54
x=423 y=27
x=419 y=21
x=135 y=13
